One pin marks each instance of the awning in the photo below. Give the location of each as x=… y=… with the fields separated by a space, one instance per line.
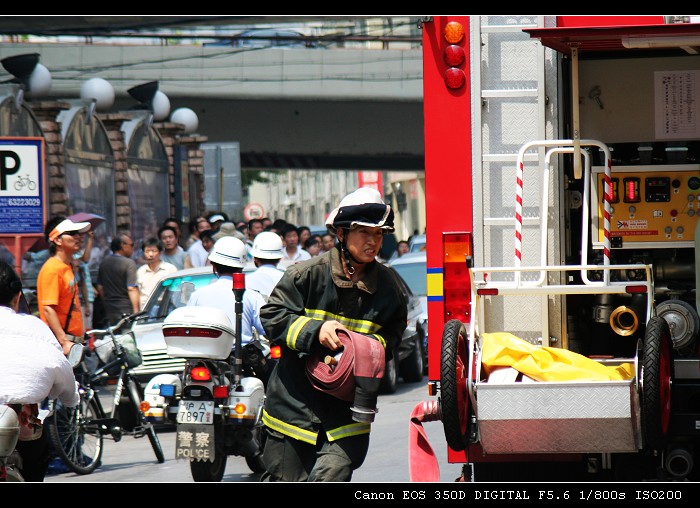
x=681 y=37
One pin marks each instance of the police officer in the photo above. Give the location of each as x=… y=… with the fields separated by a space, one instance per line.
x=312 y=435
x=227 y=257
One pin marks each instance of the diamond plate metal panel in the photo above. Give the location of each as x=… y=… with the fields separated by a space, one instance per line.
x=576 y=417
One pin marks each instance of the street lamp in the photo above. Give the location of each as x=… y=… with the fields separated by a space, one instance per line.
x=98 y=93
x=186 y=117
x=152 y=99
x=28 y=72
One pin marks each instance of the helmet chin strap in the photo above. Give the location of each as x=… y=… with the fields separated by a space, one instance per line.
x=346 y=254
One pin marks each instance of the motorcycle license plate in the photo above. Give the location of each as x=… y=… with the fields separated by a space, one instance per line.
x=195 y=411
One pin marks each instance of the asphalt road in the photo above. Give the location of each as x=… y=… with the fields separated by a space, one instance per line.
x=133 y=461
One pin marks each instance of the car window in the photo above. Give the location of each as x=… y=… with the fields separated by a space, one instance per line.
x=415 y=276
x=169 y=294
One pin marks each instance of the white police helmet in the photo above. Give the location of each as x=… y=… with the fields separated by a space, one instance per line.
x=229 y=251
x=267 y=245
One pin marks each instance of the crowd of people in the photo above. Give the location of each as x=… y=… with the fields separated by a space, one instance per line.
x=118 y=276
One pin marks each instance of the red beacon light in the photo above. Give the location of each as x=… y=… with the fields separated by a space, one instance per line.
x=238 y=281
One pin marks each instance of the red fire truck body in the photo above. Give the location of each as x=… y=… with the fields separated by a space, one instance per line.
x=563 y=190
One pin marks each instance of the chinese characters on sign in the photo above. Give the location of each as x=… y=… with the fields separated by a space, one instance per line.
x=676 y=104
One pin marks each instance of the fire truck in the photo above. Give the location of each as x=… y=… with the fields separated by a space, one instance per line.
x=563 y=191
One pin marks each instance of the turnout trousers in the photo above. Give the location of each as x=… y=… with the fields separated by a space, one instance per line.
x=291 y=460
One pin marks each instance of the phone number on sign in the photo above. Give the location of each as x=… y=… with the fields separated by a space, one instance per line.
x=22 y=202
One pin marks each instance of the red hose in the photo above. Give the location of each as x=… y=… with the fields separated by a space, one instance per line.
x=422 y=462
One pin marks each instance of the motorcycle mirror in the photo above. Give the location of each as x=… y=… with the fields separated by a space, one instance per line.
x=75 y=355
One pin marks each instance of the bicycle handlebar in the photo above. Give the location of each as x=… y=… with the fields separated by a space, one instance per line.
x=111 y=329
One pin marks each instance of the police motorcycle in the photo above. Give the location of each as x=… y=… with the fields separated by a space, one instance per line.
x=218 y=410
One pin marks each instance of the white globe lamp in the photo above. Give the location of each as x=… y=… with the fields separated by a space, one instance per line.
x=39 y=82
x=99 y=90
x=186 y=117
x=160 y=106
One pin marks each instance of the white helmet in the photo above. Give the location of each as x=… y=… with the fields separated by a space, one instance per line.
x=267 y=245
x=363 y=207
x=229 y=251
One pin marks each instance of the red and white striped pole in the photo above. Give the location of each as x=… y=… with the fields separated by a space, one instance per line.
x=519 y=215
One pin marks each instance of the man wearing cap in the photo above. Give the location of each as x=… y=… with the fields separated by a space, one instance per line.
x=313 y=435
x=216 y=220
x=57 y=286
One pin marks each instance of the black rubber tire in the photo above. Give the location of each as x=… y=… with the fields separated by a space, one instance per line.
x=209 y=471
x=656 y=375
x=77 y=443
x=454 y=396
x=255 y=462
x=135 y=396
x=390 y=381
x=412 y=366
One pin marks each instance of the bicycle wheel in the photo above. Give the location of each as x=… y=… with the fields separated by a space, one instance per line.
x=135 y=396
x=78 y=443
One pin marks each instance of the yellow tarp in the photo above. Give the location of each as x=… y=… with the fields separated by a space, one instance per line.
x=504 y=349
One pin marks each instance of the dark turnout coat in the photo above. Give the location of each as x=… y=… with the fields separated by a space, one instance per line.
x=308 y=294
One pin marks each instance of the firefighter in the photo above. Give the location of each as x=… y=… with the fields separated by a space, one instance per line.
x=312 y=435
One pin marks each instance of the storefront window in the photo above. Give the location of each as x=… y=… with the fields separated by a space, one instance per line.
x=149 y=185
x=89 y=164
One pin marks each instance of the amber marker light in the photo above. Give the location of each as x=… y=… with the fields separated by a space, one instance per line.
x=454 y=32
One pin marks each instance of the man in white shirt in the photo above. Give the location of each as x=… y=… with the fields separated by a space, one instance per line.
x=199 y=250
x=149 y=275
x=267 y=251
x=293 y=253
x=33 y=368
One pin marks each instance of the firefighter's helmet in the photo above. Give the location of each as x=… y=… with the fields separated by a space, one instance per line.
x=363 y=207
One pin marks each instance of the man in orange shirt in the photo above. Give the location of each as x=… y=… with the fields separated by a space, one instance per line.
x=57 y=288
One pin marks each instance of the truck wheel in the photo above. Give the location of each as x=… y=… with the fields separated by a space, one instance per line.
x=454 y=399
x=656 y=383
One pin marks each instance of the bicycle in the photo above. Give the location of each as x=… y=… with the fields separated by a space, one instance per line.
x=78 y=433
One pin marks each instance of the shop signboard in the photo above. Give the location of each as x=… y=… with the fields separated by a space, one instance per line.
x=22 y=183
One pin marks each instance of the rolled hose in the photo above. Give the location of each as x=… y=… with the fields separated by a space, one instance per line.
x=357 y=375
